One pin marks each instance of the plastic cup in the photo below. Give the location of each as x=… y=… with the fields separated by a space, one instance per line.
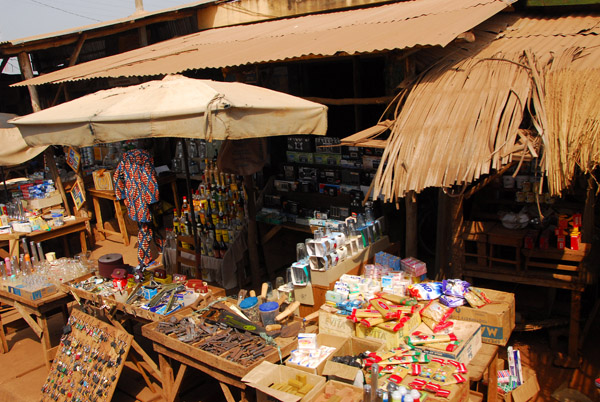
x=249 y=307
x=268 y=312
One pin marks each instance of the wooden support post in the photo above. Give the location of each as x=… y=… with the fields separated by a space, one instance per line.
x=49 y=155
x=356 y=86
x=142 y=372
x=36 y=328
x=442 y=243
x=252 y=233
x=456 y=223
x=574 y=328
x=167 y=375
x=227 y=392
x=72 y=61
x=27 y=73
x=411 y=224
x=4 y=63
x=587 y=233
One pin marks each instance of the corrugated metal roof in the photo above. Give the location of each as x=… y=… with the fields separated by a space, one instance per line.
x=387 y=27
x=461 y=120
x=105 y=24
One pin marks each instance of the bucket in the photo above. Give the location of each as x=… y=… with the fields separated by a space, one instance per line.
x=249 y=307
x=268 y=312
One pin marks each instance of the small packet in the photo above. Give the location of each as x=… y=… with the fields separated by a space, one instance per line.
x=455 y=287
x=481 y=294
x=474 y=300
x=452 y=301
x=426 y=290
x=435 y=315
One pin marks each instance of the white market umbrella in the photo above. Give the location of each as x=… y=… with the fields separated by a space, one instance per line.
x=176 y=106
x=14 y=150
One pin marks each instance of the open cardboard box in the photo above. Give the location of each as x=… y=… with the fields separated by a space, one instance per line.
x=497 y=319
x=352 y=347
x=350 y=392
x=266 y=374
x=322 y=339
x=335 y=324
x=524 y=392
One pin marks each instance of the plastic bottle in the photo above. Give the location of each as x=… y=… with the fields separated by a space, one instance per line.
x=366 y=393
x=396 y=396
x=408 y=398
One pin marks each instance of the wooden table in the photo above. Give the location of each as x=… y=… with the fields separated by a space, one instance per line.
x=111 y=196
x=553 y=268
x=228 y=373
x=120 y=313
x=78 y=225
x=41 y=309
x=485 y=359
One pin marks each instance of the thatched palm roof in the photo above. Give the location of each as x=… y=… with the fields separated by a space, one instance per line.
x=464 y=117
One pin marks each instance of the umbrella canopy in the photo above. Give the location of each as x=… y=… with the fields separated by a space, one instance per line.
x=14 y=150
x=176 y=106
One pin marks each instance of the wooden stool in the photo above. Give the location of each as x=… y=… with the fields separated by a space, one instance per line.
x=109 y=195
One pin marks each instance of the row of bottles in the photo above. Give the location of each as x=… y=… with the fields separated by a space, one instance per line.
x=15 y=268
x=218 y=209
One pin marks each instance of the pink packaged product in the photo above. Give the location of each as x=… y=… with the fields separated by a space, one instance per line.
x=413 y=267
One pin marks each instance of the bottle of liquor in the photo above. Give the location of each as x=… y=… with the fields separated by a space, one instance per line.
x=216 y=246
x=184 y=205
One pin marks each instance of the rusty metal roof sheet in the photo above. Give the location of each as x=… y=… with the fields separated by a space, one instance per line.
x=387 y=27
x=105 y=24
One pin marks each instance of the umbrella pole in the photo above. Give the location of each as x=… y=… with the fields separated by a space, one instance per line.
x=192 y=217
x=4 y=181
x=252 y=233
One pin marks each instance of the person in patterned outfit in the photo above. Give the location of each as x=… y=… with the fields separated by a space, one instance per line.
x=135 y=183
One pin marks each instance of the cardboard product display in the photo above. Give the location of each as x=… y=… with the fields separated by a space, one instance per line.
x=524 y=392
x=335 y=324
x=497 y=319
x=352 y=347
x=322 y=340
x=266 y=374
x=40 y=203
x=391 y=339
x=46 y=290
x=468 y=335
x=92 y=355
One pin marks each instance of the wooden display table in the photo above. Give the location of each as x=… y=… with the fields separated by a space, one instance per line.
x=227 y=372
x=109 y=195
x=41 y=309
x=77 y=225
x=554 y=268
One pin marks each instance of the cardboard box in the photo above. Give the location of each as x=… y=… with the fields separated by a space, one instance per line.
x=103 y=179
x=390 y=339
x=300 y=157
x=266 y=374
x=335 y=324
x=352 y=347
x=468 y=334
x=41 y=203
x=497 y=319
x=328 y=159
x=47 y=290
x=322 y=340
x=349 y=392
x=524 y=392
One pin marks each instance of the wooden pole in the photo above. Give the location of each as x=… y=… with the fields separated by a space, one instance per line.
x=411 y=224
x=441 y=238
x=456 y=222
x=192 y=217
x=587 y=233
x=27 y=73
x=252 y=232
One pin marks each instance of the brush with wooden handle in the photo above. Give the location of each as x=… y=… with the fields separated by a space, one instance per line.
x=288 y=311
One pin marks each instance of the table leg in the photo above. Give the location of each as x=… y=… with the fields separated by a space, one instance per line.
x=492 y=391
x=98 y=212
x=574 y=326
x=167 y=377
x=121 y=219
x=82 y=240
x=3 y=343
x=227 y=392
x=45 y=339
x=65 y=313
